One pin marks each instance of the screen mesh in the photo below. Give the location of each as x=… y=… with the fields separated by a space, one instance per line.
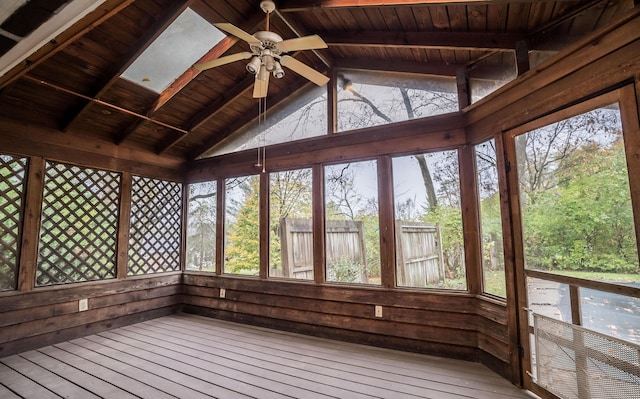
x=573 y=362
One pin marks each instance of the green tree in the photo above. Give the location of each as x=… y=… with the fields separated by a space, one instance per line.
x=242 y=249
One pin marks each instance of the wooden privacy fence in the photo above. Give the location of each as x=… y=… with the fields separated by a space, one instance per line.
x=344 y=239
x=418 y=249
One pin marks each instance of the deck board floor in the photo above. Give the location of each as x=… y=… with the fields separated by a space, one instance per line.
x=187 y=356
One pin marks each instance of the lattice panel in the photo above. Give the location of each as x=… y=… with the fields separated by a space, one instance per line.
x=156 y=220
x=78 y=235
x=577 y=363
x=12 y=183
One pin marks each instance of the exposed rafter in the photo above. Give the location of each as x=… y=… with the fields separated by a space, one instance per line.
x=457 y=40
x=112 y=77
x=303 y=5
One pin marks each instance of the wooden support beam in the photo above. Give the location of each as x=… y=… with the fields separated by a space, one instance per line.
x=470 y=218
x=31 y=224
x=225 y=44
x=522 y=57
x=141 y=44
x=220 y=201
x=317 y=201
x=424 y=40
x=122 y=259
x=208 y=112
x=464 y=91
x=386 y=223
x=105 y=11
x=426 y=68
x=302 y=5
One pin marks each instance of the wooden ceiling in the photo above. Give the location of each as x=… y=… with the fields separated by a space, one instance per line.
x=73 y=83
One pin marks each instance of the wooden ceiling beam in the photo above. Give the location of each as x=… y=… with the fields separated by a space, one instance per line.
x=425 y=68
x=304 y=5
x=217 y=50
x=79 y=29
x=138 y=48
x=189 y=75
x=208 y=112
x=425 y=40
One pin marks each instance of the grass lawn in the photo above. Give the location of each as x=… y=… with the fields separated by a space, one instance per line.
x=494 y=280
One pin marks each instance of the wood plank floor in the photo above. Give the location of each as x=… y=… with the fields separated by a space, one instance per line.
x=187 y=356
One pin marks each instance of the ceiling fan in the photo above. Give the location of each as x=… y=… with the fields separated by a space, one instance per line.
x=268 y=54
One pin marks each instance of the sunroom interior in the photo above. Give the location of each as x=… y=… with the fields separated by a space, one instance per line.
x=458 y=179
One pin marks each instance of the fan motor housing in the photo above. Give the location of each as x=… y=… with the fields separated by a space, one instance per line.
x=268 y=40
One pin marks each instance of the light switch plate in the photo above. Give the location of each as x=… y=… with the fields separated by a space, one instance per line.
x=378 y=311
x=83 y=305
x=223 y=292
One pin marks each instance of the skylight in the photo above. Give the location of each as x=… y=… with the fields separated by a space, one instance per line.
x=183 y=43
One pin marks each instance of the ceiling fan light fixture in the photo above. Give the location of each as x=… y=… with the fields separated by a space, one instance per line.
x=263 y=74
x=278 y=72
x=267 y=59
x=254 y=65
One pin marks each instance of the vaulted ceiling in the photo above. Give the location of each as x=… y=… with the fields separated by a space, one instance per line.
x=73 y=82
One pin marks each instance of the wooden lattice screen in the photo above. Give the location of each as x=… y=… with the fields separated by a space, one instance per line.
x=12 y=183
x=78 y=233
x=155 y=232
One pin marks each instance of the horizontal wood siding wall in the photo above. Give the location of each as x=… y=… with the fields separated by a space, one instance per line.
x=44 y=316
x=462 y=326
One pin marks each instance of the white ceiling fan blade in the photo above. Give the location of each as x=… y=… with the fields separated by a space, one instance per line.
x=237 y=32
x=223 y=60
x=303 y=43
x=260 y=87
x=304 y=70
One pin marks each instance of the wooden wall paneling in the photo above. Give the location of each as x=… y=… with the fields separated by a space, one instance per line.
x=263 y=215
x=48 y=315
x=123 y=226
x=317 y=201
x=470 y=218
x=386 y=223
x=630 y=112
x=31 y=224
x=77 y=149
x=511 y=282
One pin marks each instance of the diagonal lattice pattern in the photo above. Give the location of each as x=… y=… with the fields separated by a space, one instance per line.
x=79 y=227
x=12 y=182
x=155 y=226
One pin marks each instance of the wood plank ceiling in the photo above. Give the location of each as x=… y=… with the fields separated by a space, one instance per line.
x=73 y=83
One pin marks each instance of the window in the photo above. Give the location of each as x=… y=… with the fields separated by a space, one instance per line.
x=155 y=226
x=490 y=219
x=78 y=233
x=12 y=187
x=242 y=225
x=302 y=116
x=368 y=99
x=183 y=43
x=429 y=241
x=201 y=227
x=575 y=198
x=290 y=224
x=352 y=237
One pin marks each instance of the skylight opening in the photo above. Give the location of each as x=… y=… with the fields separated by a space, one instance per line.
x=183 y=43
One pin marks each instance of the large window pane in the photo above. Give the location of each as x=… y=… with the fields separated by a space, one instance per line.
x=290 y=224
x=429 y=240
x=490 y=219
x=368 y=99
x=301 y=116
x=242 y=225
x=201 y=227
x=575 y=198
x=351 y=227
x=79 y=225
